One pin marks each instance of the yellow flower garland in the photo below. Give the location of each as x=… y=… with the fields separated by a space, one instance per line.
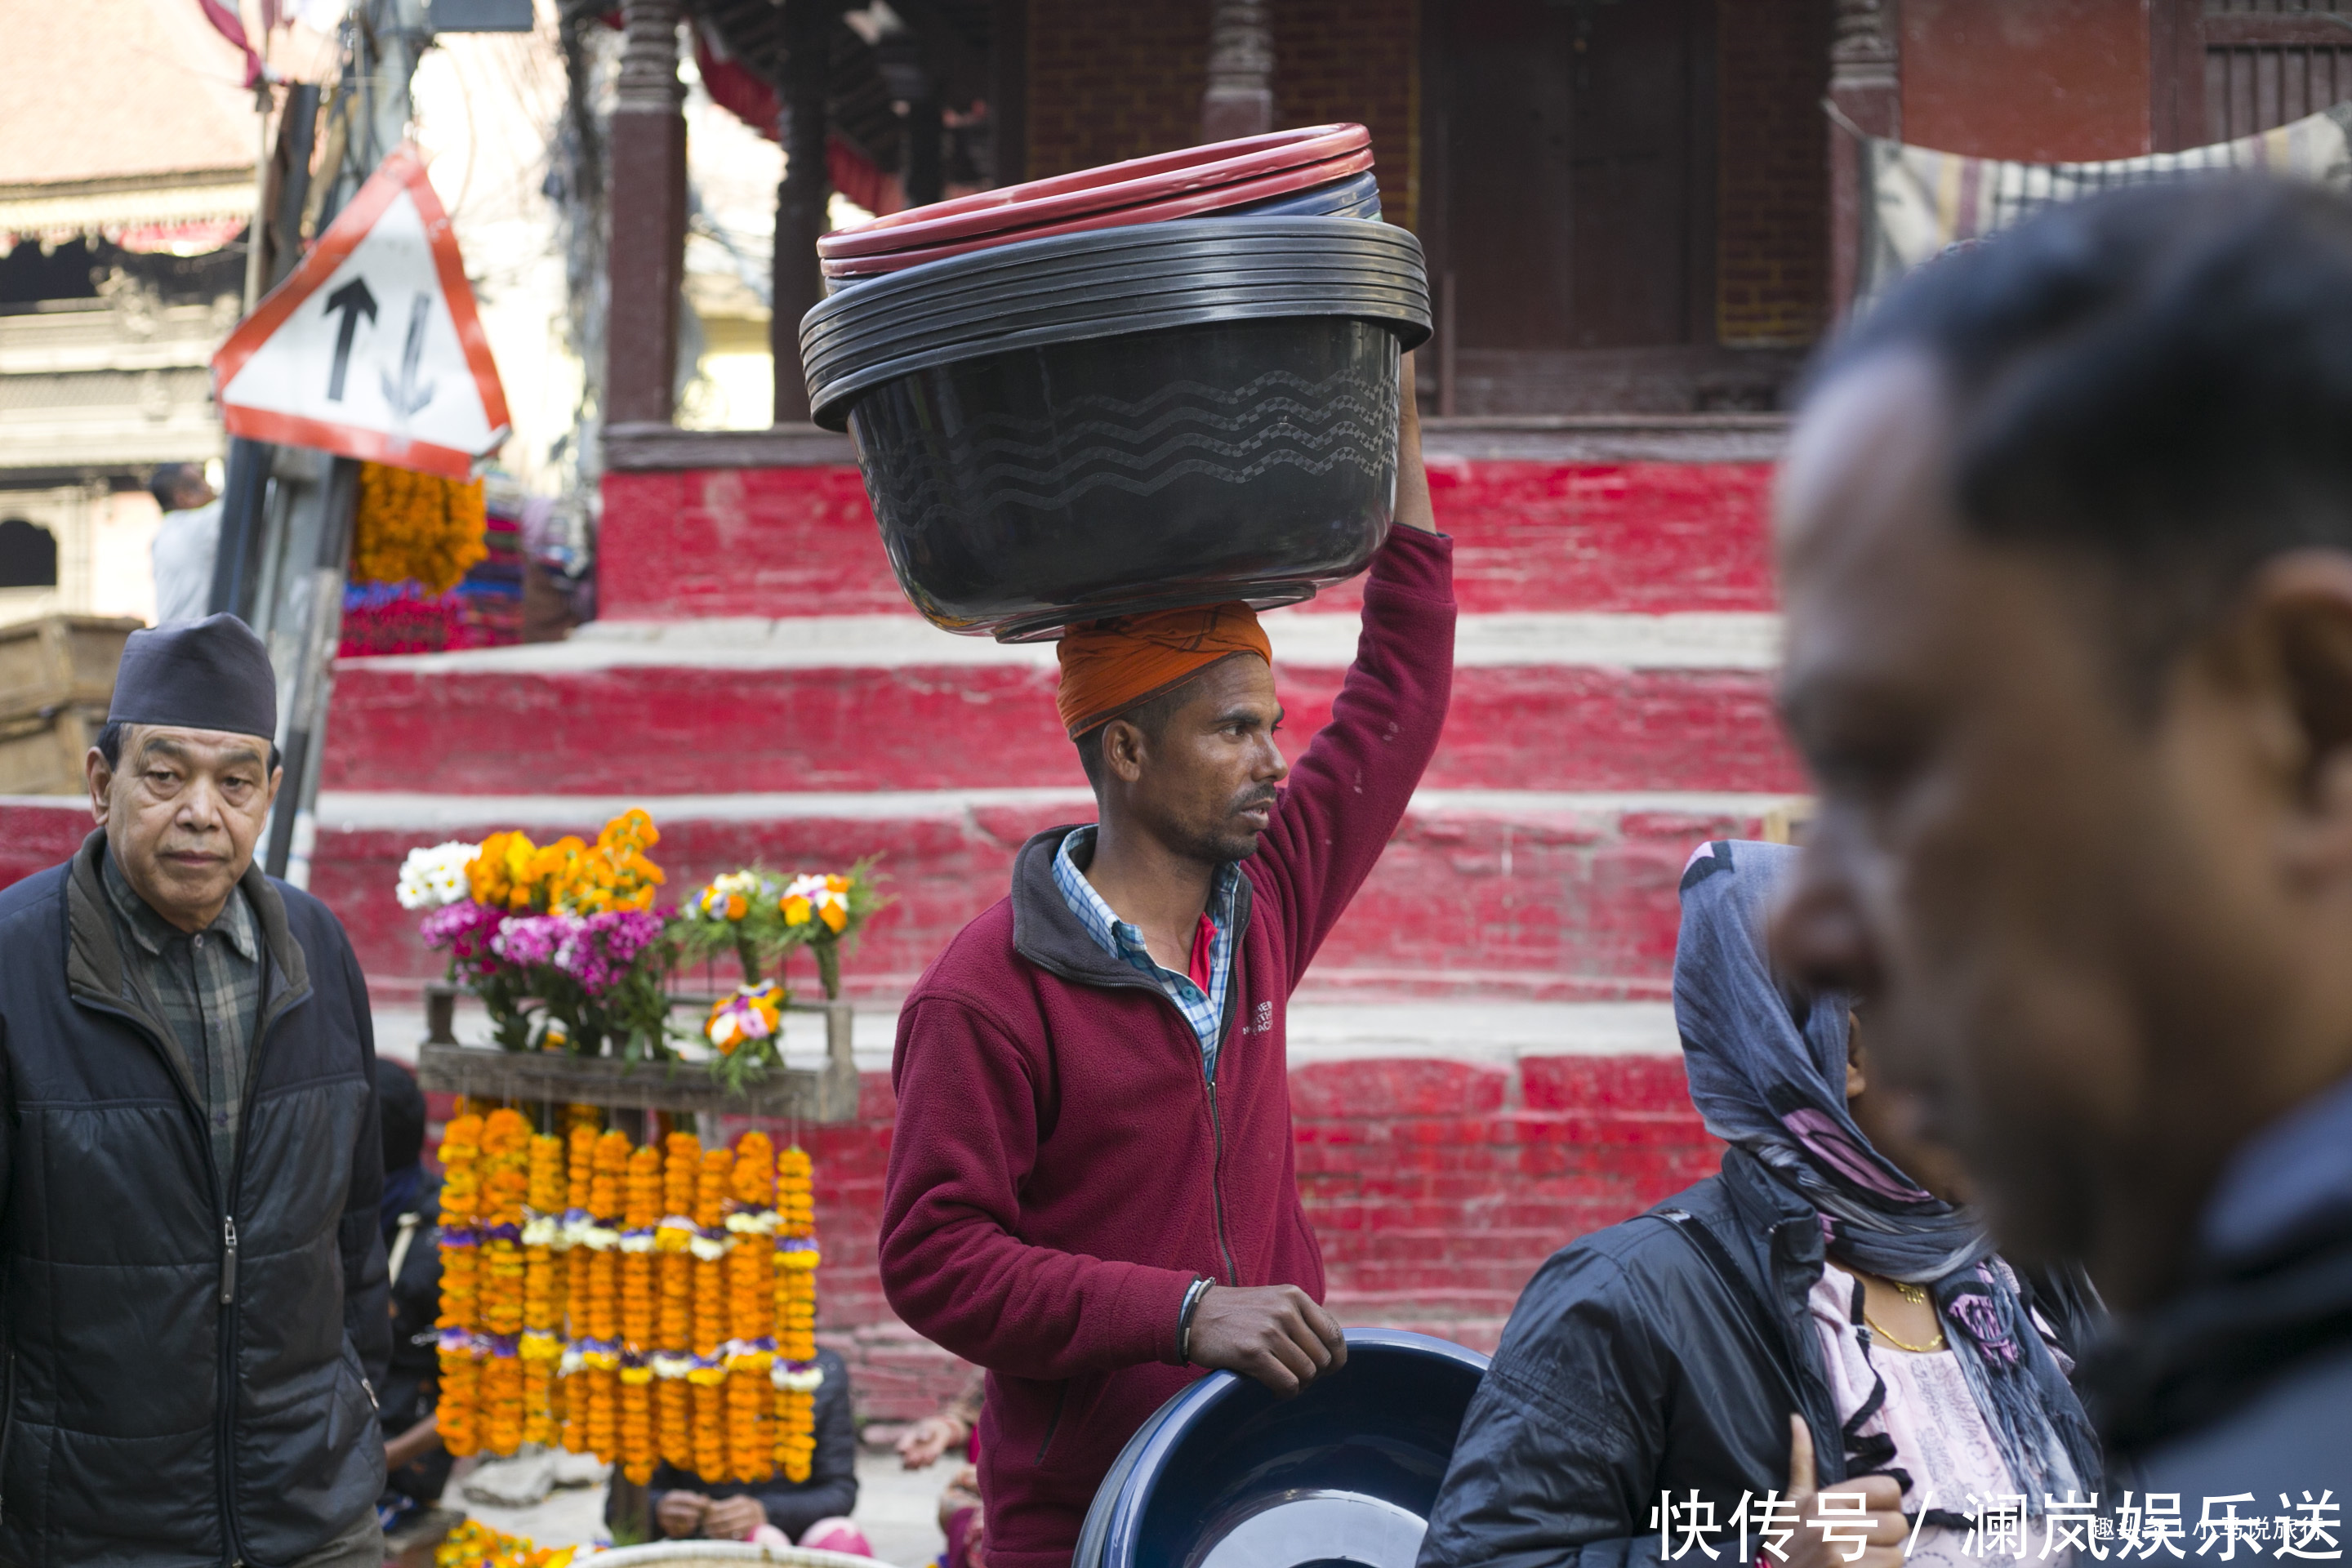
x=796 y=1375
x=419 y=527
x=460 y=1286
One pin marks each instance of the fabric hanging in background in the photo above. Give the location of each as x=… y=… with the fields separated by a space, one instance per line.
x=1922 y=202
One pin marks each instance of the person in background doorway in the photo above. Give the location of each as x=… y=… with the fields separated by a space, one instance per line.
x=417 y=1466
x=813 y=1514
x=2065 y=534
x=1813 y=1321
x=186 y=544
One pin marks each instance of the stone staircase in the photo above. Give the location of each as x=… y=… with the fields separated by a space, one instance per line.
x=1484 y=1061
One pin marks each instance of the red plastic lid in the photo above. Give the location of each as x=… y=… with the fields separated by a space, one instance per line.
x=1192 y=204
x=1089 y=191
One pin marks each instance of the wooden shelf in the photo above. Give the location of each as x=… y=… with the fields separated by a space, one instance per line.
x=826 y=1094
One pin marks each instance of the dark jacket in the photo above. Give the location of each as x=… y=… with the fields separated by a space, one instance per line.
x=830 y=1491
x=172 y=1399
x=2242 y=1381
x=1062 y=1170
x=1661 y=1354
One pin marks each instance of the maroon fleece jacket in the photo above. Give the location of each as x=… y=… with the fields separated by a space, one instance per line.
x=1062 y=1169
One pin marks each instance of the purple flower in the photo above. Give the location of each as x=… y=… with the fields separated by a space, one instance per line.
x=466 y=928
x=597 y=952
x=530 y=940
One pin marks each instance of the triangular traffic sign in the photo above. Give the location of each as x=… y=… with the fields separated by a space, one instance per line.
x=372 y=347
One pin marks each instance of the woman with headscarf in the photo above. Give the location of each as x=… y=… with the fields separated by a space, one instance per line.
x=1814 y=1295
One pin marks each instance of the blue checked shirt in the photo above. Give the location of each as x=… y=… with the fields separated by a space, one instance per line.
x=1204 y=1010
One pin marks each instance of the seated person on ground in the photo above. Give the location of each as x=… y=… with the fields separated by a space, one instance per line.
x=1813 y=1319
x=417 y=1466
x=956 y=1425
x=813 y=1514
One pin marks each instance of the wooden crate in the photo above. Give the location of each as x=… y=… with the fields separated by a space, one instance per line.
x=47 y=663
x=42 y=753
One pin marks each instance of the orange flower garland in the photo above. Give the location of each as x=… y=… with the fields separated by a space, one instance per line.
x=640 y=1211
x=751 y=1310
x=505 y=1153
x=542 y=1289
x=709 y=1375
x=673 y=1333
x=580 y=1174
x=601 y=1355
x=796 y=1375
x=460 y=1398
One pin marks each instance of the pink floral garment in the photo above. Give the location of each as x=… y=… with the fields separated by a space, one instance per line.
x=1940 y=1438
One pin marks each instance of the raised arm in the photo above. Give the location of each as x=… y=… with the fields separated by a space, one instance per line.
x=1350 y=790
x=964 y=1142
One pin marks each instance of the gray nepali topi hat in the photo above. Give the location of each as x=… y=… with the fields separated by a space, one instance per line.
x=212 y=674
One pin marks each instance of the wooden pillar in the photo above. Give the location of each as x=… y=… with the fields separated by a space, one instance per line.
x=1866 y=89
x=1239 y=97
x=922 y=172
x=802 y=199
x=646 y=198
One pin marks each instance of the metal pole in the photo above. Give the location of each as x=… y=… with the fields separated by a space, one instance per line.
x=800 y=201
x=314 y=676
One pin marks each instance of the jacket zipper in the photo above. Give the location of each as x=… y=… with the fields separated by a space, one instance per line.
x=228 y=1258
x=1216 y=1174
x=1061 y=1398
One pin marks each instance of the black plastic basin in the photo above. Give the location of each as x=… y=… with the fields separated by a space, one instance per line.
x=1023 y=491
x=1225 y=1476
x=1100 y=423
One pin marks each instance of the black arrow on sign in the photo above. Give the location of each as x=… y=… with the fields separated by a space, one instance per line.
x=354 y=301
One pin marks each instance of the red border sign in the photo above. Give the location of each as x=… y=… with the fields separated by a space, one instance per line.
x=404 y=170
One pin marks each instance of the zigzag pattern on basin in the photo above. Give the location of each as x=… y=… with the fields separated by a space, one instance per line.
x=1048 y=474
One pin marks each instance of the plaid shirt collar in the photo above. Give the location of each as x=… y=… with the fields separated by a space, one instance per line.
x=152 y=932
x=1204 y=1010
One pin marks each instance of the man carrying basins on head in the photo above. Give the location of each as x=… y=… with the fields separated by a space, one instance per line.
x=1091 y=1191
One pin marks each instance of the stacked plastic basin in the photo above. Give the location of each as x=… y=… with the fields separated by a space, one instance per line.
x=1167 y=381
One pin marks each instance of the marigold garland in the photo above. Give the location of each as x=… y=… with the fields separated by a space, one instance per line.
x=751 y=1309
x=600 y=1351
x=796 y=1377
x=542 y=1289
x=709 y=1315
x=673 y=1242
x=473 y=1545
x=683 y=1276
x=460 y=1395
x=416 y=527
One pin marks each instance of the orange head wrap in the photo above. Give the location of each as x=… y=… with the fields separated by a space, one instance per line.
x=1109 y=667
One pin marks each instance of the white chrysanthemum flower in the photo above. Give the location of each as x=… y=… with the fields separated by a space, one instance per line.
x=430 y=879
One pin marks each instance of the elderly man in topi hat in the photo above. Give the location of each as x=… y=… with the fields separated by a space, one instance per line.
x=1091 y=1192
x=193 y=1305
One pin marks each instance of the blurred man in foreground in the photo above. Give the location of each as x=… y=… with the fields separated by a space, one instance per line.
x=2066 y=531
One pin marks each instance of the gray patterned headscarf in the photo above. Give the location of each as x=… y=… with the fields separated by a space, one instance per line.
x=1767 y=1063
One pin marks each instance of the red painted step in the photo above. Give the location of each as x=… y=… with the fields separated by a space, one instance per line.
x=1496 y=896
x=1648 y=537
x=1500 y=896
x=673 y=729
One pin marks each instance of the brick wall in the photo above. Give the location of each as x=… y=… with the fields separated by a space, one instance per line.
x=1107 y=82
x=1435 y=1188
x=1772 y=225
x=1359 y=60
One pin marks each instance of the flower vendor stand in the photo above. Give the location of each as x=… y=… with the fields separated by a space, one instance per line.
x=815 y=1094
